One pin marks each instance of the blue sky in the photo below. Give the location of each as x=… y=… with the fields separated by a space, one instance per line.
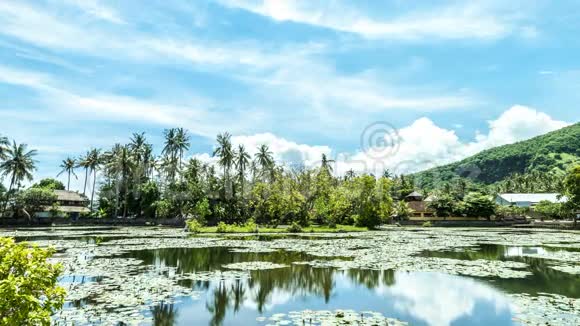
x=305 y=77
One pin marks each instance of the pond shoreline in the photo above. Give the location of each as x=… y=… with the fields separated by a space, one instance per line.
x=180 y=223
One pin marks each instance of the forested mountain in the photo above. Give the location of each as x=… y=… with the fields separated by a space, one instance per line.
x=546 y=155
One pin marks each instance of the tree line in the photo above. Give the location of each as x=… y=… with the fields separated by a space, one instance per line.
x=130 y=180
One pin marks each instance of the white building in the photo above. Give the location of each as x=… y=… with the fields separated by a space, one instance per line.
x=528 y=200
x=70 y=204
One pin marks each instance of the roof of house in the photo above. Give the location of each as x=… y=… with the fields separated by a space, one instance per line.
x=414 y=194
x=64 y=195
x=533 y=198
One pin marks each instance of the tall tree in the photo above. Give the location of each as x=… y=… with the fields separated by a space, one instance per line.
x=19 y=165
x=120 y=164
x=68 y=166
x=264 y=159
x=181 y=143
x=225 y=154
x=242 y=159
x=170 y=152
x=83 y=162
x=94 y=163
x=4 y=144
x=325 y=164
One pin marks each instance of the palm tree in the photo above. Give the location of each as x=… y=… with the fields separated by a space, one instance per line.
x=349 y=175
x=120 y=164
x=94 y=162
x=83 y=162
x=242 y=159
x=148 y=160
x=68 y=166
x=170 y=151
x=19 y=165
x=4 y=144
x=325 y=164
x=264 y=158
x=181 y=143
x=224 y=153
x=137 y=146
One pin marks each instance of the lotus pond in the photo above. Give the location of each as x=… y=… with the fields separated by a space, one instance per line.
x=399 y=276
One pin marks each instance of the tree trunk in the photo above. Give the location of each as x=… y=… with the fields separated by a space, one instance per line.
x=86 y=177
x=8 y=194
x=94 y=182
x=68 y=184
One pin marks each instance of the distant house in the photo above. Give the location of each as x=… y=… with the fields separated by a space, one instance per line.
x=418 y=205
x=70 y=204
x=528 y=200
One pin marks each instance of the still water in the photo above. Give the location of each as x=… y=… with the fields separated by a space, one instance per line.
x=417 y=298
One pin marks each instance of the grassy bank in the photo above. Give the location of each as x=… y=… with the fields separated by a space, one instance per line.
x=281 y=229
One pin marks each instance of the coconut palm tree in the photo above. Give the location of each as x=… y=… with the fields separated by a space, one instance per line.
x=83 y=162
x=349 y=175
x=181 y=143
x=19 y=165
x=148 y=160
x=325 y=164
x=68 y=166
x=264 y=159
x=94 y=162
x=137 y=146
x=170 y=151
x=225 y=153
x=4 y=144
x=120 y=164
x=242 y=159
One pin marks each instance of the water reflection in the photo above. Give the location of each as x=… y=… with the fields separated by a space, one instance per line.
x=164 y=315
x=418 y=298
x=544 y=279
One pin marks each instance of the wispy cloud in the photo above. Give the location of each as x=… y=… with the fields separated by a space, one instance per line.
x=97 y=10
x=458 y=20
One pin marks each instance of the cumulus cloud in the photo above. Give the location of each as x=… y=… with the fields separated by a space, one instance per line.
x=424 y=145
x=418 y=146
x=456 y=297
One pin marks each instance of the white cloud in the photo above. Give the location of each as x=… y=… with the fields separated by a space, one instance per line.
x=460 y=20
x=54 y=29
x=96 y=9
x=284 y=151
x=424 y=145
x=520 y=122
x=456 y=297
x=420 y=145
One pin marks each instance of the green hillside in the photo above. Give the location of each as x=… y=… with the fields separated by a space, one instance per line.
x=551 y=153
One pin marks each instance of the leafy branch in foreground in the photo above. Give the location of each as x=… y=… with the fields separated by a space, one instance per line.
x=28 y=284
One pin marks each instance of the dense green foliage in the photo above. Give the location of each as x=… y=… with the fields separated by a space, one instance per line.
x=34 y=200
x=17 y=163
x=572 y=190
x=244 y=191
x=28 y=284
x=548 y=156
x=474 y=204
x=550 y=210
x=49 y=183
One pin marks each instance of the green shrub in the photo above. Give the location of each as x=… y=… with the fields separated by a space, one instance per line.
x=295 y=228
x=193 y=226
x=223 y=228
x=29 y=288
x=251 y=226
x=427 y=224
